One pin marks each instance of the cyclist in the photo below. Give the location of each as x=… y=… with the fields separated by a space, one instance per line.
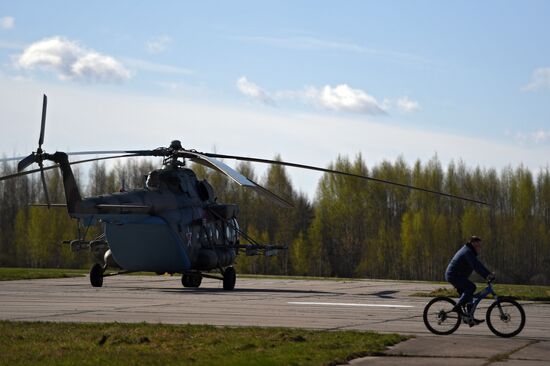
x=459 y=269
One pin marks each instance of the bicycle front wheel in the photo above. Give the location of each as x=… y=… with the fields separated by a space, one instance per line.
x=439 y=316
x=505 y=318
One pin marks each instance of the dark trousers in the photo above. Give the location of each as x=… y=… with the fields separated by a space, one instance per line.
x=465 y=288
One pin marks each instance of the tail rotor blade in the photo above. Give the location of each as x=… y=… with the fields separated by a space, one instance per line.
x=43 y=125
x=43 y=178
x=26 y=162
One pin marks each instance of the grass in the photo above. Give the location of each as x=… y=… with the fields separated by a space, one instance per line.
x=519 y=292
x=9 y=274
x=24 y=343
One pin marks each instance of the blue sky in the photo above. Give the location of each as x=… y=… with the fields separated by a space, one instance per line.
x=309 y=80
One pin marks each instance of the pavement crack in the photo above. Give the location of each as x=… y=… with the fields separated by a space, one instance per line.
x=505 y=356
x=396 y=319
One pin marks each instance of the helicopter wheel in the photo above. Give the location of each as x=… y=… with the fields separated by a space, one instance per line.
x=229 y=278
x=191 y=280
x=96 y=275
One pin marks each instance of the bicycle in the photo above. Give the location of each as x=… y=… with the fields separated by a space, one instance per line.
x=505 y=316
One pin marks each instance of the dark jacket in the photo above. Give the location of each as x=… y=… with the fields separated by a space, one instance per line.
x=463 y=263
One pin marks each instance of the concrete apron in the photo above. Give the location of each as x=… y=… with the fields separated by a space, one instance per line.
x=463 y=350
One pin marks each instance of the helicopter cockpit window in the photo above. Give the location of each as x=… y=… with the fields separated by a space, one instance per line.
x=153 y=181
x=205 y=190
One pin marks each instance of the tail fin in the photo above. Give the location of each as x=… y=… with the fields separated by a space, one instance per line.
x=72 y=194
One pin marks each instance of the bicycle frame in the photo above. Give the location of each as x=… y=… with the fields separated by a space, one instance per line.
x=482 y=295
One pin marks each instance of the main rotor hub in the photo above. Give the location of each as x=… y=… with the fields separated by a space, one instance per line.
x=171 y=157
x=176 y=145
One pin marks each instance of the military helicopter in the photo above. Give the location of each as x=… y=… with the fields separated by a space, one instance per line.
x=174 y=224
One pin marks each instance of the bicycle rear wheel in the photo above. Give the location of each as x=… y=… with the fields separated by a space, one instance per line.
x=505 y=318
x=439 y=316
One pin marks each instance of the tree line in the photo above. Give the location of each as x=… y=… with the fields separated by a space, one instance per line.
x=351 y=228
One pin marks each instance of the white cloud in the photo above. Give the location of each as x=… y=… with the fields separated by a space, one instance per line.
x=539 y=80
x=344 y=98
x=158 y=44
x=7 y=22
x=72 y=61
x=537 y=137
x=76 y=124
x=317 y=44
x=154 y=67
x=541 y=136
x=406 y=105
x=253 y=91
x=340 y=98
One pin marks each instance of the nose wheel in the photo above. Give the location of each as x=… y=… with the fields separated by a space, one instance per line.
x=96 y=275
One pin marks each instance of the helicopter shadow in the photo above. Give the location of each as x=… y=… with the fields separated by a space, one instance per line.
x=384 y=294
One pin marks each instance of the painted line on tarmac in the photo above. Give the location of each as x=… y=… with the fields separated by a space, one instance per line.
x=350 y=304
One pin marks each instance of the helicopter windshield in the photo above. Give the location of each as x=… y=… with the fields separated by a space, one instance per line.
x=153 y=180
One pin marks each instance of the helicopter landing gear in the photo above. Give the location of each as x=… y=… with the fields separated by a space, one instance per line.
x=96 y=275
x=229 y=278
x=191 y=279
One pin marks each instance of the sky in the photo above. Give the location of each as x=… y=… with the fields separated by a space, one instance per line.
x=309 y=80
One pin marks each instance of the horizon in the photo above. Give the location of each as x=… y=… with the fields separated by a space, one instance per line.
x=385 y=80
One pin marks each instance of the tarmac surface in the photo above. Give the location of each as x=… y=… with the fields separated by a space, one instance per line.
x=383 y=306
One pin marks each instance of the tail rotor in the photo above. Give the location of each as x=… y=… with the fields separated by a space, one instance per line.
x=39 y=154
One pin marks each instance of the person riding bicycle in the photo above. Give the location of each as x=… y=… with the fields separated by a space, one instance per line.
x=460 y=268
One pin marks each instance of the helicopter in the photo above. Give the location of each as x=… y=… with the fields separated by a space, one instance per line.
x=174 y=224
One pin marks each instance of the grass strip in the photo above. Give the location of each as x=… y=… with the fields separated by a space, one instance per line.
x=10 y=274
x=519 y=292
x=24 y=343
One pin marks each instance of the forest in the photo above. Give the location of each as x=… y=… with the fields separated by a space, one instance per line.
x=351 y=228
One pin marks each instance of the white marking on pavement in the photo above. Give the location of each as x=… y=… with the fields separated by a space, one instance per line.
x=351 y=304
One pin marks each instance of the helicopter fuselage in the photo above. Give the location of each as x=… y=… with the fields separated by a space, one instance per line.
x=174 y=225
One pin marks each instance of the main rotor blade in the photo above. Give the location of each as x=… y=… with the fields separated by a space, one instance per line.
x=19 y=174
x=332 y=171
x=78 y=153
x=43 y=124
x=103 y=158
x=272 y=196
x=235 y=176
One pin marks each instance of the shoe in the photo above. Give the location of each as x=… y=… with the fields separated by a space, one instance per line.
x=474 y=322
